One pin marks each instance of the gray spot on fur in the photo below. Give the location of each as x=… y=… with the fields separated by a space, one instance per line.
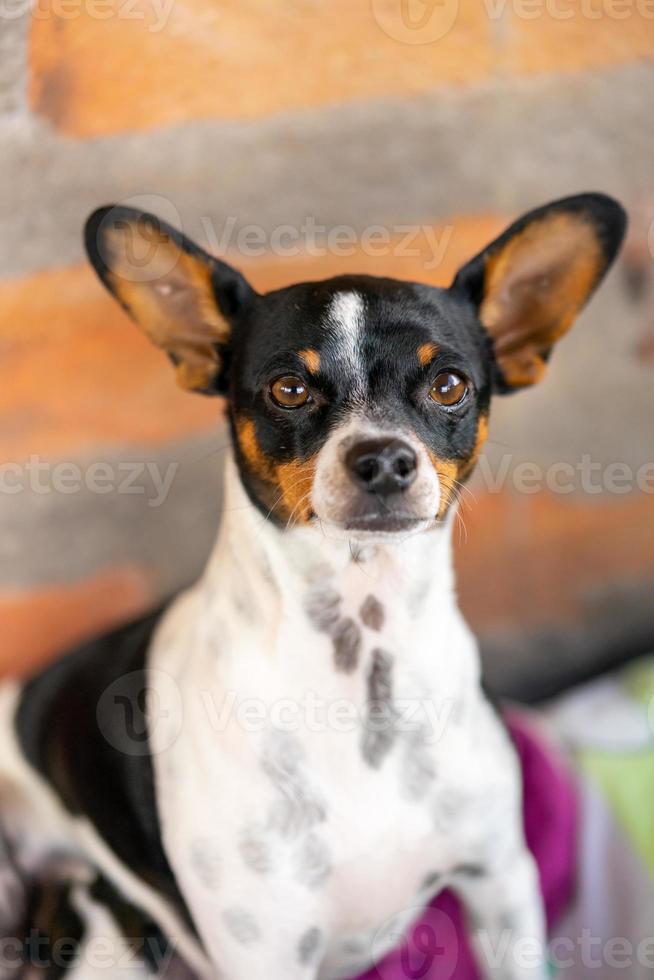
x=379 y=727
x=242 y=926
x=291 y=816
x=469 y=870
x=314 y=862
x=372 y=613
x=347 y=644
x=322 y=608
x=448 y=807
x=309 y=945
x=282 y=755
x=297 y=806
x=255 y=851
x=507 y=922
x=205 y=861
x=431 y=881
x=353 y=947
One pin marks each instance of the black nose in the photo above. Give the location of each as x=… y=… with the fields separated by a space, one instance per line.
x=382 y=466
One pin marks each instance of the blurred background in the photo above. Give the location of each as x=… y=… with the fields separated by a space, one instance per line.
x=303 y=138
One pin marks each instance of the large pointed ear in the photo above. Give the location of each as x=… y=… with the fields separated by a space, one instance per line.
x=531 y=282
x=184 y=300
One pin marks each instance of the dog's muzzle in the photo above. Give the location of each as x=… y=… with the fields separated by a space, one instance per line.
x=371 y=482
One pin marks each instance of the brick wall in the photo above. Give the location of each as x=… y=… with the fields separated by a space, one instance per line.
x=316 y=113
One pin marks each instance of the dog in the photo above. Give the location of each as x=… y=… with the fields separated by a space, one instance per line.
x=272 y=775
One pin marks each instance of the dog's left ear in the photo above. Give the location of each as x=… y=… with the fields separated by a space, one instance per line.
x=531 y=282
x=186 y=301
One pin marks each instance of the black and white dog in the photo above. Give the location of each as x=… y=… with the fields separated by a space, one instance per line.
x=254 y=782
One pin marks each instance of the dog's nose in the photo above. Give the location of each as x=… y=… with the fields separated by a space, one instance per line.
x=382 y=466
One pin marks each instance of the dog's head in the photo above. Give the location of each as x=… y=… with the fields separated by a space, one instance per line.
x=358 y=402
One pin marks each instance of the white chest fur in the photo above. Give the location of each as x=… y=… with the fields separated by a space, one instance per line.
x=325 y=738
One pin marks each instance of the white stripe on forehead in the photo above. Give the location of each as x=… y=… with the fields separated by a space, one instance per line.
x=345 y=317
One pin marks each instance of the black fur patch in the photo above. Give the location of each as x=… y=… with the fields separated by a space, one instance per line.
x=309 y=945
x=84 y=762
x=56 y=931
x=379 y=732
x=323 y=609
x=347 y=644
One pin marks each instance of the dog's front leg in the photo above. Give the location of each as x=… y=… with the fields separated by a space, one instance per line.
x=506 y=916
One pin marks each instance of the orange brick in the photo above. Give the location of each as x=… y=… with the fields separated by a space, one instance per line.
x=37 y=625
x=75 y=372
x=232 y=60
x=404 y=258
x=531 y=560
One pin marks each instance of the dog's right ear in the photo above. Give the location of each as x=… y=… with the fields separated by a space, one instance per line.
x=186 y=301
x=529 y=284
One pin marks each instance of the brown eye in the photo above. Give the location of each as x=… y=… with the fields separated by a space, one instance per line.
x=289 y=392
x=448 y=389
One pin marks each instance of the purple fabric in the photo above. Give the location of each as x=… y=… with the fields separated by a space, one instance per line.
x=436 y=948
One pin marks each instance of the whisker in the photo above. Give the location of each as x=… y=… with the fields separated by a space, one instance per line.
x=300 y=507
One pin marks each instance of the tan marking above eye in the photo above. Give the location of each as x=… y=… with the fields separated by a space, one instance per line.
x=290 y=391
x=311 y=359
x=449 y=388
x=427 y=352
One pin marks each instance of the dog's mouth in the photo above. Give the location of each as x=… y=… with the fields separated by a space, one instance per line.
x=389 y=523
